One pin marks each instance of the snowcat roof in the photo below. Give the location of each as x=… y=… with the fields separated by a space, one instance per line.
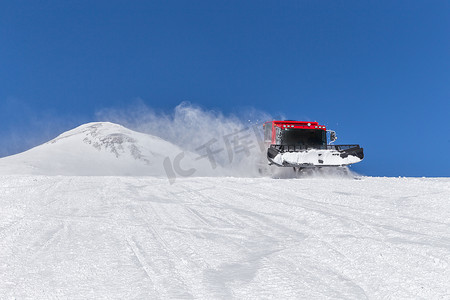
x=297 y=124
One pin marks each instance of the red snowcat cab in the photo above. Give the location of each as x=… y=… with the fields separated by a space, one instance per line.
x=302 y=144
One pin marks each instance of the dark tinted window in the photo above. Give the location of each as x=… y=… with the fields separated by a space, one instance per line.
x=308 y=137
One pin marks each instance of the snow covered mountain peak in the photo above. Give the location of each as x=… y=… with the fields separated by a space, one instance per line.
x=99 y=148
x=93 y=130
x=109 y=137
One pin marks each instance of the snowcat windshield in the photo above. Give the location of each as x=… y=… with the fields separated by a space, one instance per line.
x=306 y=137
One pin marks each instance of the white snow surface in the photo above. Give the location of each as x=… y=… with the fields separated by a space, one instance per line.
x=65 y=234
x=312 y=157
x=94 y=237
x=101 y=148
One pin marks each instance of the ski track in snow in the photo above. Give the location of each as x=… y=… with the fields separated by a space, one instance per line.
x=65 y=237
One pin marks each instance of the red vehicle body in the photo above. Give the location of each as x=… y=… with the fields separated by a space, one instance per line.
x=302 y=144
x=271 y=128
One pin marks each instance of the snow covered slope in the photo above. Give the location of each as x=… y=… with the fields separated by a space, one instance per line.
x=98 y=149
x=65 y=237
x=130 y=237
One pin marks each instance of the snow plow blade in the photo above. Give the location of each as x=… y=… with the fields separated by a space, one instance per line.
x=299 y=156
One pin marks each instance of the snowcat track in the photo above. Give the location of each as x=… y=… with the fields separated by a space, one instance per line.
x=343 y=150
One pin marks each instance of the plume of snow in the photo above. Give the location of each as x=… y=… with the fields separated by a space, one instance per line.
x=232 y=142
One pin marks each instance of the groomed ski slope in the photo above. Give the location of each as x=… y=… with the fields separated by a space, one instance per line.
x=65 y=237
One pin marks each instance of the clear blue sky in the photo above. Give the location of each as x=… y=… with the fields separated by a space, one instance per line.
x=376 y=71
